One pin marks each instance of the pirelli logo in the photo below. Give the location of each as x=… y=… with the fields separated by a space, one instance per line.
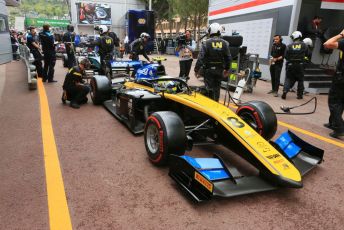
x=207 y=184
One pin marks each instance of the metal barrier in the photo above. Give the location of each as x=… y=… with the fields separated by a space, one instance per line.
x=28 y=59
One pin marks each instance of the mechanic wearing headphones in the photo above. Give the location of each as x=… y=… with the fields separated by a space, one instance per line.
x=68 y=40
x=215 y=58
x=105 y=48
x=137 y=47
x=276 y=63
x=48 y=47
x=336 y=94
x=295 y=56
x=74 y=88
x=35 y=49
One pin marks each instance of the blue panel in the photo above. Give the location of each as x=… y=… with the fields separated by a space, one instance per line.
x=209 y=163
x=285 y=142
x=191 y=161
x=217 y=174
x=292 y=150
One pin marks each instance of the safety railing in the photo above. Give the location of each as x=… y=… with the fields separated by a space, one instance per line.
x=28 y=59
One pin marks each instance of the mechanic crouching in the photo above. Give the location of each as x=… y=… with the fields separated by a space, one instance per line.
x=295 y=56
x=215 y=58
x=74 y=88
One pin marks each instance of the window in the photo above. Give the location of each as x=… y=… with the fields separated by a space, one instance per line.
x=3 y=24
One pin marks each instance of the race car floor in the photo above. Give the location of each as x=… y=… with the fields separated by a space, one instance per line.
x=63 y=168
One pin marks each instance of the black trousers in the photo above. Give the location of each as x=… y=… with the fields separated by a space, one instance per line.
x=185 y=67
x=212 y=82
x=71 y=60
x=336 y=104
x=275 y=72
x=49 y=65
x=295 y=73
x=105 y=65
x=38 y=62
x=78 y=94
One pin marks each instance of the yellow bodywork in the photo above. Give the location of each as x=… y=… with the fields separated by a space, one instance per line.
x=272 y=159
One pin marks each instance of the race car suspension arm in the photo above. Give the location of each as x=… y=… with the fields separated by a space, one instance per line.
x=198 y=127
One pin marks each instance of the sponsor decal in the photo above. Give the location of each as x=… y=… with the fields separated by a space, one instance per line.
x=273 y=156
x=207 y=184
x=263 y=146
x=141 y=21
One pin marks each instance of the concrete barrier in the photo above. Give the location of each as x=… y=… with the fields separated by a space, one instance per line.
x=28 y=59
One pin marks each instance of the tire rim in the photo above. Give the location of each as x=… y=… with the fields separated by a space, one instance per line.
x=249 y=119
x=153 y=140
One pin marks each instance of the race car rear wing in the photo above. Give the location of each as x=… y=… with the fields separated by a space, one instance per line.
x=203 y=178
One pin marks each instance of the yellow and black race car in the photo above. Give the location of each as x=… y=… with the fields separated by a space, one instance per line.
x=174 y=117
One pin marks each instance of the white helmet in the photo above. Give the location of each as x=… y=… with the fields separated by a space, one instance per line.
x=308 y=42
x=144 y=35
x=296 y=35
x=103 y=29
x=215 y=28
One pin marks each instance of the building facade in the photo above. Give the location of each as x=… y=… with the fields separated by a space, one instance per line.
x=113 y=13
x=5 y=41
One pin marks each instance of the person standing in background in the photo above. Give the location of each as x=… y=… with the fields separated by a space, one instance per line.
x=276 y=63
x=48 y=47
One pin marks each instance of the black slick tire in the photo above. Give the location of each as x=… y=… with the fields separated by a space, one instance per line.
x=260 y=116
x=100 y=89
x=164 y=134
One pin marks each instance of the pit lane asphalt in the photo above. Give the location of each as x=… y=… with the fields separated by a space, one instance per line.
x=110 y=184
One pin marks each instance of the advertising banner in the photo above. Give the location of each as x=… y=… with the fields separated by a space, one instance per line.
x=230 y=8
x=332 y=4
x=38 y=22
x=93 y=13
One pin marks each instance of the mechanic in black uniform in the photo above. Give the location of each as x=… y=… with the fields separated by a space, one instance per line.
x=105 y=49
x=336 y=94
x=68 y=39
x=48 y=47
x=215 y=58
x=116 y=41
x=276 y=63
x=32 y=42
x=295 y=56
x=138 y=47
x=74 y=88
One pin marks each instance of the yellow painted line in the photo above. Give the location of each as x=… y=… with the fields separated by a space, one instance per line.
x=59 y=217
x=328 y=140
x=316 y=136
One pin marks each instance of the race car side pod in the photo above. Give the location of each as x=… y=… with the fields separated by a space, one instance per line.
x=204 y=178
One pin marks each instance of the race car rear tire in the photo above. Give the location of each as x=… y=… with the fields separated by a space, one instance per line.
x=260 y=116
x=164 y=134
x=100 y=89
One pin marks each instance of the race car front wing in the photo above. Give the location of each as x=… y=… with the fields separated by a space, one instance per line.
x=203 y=178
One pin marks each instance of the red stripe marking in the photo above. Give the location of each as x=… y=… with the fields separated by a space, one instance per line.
x=241 y=6
x=337 y=1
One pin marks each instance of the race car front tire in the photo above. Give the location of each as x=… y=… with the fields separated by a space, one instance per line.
x=260 y=116
x=164 y=134
x=100 y=89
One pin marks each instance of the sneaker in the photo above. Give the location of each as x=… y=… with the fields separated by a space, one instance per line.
x=299 y=97
x=335 y=134
x=271 y=91
x=284 y=96
x=74 y=105
x=275 y=94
